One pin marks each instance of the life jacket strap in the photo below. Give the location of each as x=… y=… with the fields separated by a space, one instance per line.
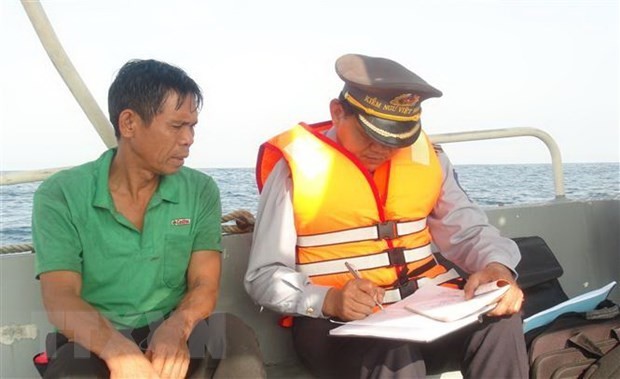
x=384 y=230
x=366 y=262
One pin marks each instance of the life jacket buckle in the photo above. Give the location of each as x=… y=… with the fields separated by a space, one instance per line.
x=408 y=287
x=387 y=230
x=396 y=256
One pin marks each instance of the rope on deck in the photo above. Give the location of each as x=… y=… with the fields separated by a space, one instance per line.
x=17 y=248
x=244 y=223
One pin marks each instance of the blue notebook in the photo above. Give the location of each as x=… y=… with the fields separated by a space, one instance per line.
x=582 y=303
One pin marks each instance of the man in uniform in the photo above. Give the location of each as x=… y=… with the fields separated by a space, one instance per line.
x=368 y=188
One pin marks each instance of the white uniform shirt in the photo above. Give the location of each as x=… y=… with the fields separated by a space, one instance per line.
x=459 y=229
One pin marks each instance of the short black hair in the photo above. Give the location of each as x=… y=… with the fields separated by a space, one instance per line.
x=144 y=85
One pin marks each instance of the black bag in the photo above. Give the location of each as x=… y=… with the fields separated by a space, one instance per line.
x=578 y=345
x=538 y=271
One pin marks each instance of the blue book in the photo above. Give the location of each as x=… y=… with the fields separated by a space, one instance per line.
x=582 y=303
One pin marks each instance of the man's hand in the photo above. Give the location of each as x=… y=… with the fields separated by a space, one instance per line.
x=134 y=365
x=168 y=350
x=510 y=303
x=125 y=360
x=354 y=301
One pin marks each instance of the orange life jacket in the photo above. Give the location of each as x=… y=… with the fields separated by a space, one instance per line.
x=343 y=213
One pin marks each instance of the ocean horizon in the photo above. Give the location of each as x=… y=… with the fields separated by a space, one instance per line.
x=489 y=185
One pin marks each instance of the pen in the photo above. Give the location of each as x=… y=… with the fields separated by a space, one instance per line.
x=356 y=275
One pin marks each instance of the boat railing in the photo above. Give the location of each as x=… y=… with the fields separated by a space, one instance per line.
x=479 y=135
x=67 y=71
x=18 y=177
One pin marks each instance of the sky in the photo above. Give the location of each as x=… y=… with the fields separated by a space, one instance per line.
x=265 y=65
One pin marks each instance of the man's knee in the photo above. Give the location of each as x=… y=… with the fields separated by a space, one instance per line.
x=497 y=350
x=231 y=341
x=504 y=326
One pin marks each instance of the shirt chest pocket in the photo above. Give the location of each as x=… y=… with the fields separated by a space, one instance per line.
x=176 y=254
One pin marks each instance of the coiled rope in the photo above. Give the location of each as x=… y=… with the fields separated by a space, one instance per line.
x=243 y=223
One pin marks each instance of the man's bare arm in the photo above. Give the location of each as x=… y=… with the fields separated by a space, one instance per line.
x=168 y=349
x=203 y=284
x=82 y=323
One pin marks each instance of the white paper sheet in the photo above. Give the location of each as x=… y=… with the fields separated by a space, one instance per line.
x=398 y=322
x=449 y=304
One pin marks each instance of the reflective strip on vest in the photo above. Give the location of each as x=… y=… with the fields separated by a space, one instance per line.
x=365 y=233
x=364 y=262
x=393 y=295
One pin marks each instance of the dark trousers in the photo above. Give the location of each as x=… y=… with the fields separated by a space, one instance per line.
x=221 y=346
x=492 y=349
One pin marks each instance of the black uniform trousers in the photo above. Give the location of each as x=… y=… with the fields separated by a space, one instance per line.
x=221 y=346
x=494 y=348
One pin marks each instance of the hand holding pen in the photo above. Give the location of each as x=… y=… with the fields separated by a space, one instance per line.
x=355 y=300
x=356 y=275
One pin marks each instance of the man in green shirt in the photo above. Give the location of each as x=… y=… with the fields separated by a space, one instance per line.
x=128 y=246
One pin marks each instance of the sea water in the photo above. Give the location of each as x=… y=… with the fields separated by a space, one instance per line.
x=487 y=185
